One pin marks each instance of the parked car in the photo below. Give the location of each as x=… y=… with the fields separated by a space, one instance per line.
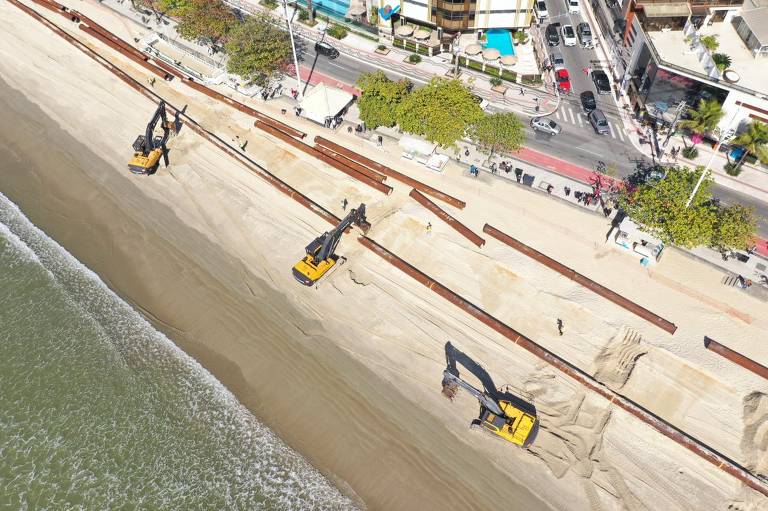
x=553 y=38
x=599 y=122
x=541 y=10
x=602 y=84
x=323 y=48
x=585 y=34
x=574 y=7
x=545 y=125
x=556 y=61
x=588 y=102
x=569 y=35
x=482 y=102
x=563 y=81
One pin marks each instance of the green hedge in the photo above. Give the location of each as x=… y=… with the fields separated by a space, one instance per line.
x=489 y=70
x=408 y=45
x=337 y=31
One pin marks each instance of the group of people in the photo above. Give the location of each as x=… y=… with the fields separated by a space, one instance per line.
x=507 y=168
x=333 y=122
x=271 y=92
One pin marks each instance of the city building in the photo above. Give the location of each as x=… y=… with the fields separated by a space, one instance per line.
x=462 y=15
x=660 y=56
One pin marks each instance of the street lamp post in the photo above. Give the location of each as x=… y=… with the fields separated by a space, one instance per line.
x=679 y=111
x=293 y=48
x=456 y=50
x=723 y=136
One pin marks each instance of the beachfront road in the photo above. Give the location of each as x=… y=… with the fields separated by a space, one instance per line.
x=577 y=143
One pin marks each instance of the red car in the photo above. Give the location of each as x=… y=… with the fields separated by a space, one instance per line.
x=563 y=81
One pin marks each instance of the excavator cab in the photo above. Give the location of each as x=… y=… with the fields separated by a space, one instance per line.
x=501 y=413
x=148 y=149
x=321 y=255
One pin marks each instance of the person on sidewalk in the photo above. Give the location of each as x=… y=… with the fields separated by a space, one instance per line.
x=560 y=326
x=522 y=92
x=567 y=191
x=549 y=189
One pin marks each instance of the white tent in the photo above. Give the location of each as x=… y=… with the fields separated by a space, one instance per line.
x=323 y=102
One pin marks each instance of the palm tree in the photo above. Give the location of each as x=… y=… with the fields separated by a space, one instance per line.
x=704 y=118
x=753 y=141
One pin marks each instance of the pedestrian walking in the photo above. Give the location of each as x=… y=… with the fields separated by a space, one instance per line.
x=522 y=92
x=151 y=81
x=344 y=204
x=549 y=189
x=567 y=191
x=429 y=228
x=283 y=111
x=560 y=326
x=466 y=152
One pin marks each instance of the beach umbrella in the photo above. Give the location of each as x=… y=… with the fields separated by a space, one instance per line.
x=473 y=49
x=356 y=10
x=509 y=60
x=404 y=30
x=422 y=34
x=491 y=54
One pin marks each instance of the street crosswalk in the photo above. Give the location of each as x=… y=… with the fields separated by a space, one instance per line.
x=570 y=115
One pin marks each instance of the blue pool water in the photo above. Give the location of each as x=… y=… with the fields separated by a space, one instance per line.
x=501 y=39
x=334 y=8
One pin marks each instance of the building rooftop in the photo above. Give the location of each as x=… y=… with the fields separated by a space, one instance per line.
x=673 y=49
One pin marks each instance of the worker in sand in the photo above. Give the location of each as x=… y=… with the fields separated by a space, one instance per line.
x=429 y=228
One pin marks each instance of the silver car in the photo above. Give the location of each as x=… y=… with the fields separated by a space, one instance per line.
x=556 y=61
x=585 y=34
x=599 y=122
x=545 y=125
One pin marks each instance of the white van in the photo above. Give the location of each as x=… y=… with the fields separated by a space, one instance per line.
x=574 y=7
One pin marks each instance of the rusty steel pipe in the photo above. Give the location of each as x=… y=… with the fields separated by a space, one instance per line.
x=115 y=46
x=308 y=149
x=724 y=463
x=189 y=122
x=351 y=164
x=448 y=219
x=736 y=358
x=590 y=284
x=279 y=125
x=387 y=171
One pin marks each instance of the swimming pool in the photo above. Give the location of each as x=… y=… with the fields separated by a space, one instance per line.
x=501 y=39
x=335 y=8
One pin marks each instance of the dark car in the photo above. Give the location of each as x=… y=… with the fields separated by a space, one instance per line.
x=588 y=102
x=553 y=38
x=323 y=48
x=602 y=84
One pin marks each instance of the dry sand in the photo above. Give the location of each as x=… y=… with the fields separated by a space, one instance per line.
x=349 y=374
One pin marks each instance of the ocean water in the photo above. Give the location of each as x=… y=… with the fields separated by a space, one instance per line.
x=100 y=411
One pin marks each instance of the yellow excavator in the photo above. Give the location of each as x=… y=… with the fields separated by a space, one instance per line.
x=501 y=413
x=148 y=149
x=320 y=256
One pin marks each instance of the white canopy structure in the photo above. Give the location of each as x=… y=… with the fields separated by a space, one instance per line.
x=416 y=146
x=324 y=102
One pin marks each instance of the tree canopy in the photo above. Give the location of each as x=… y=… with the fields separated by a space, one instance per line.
x=499 y=132
x=380 y=98
x=441 y=111
x=705 y=117
x=755 y=141
x=258 y=50
x=659 y=207
x=206 y=19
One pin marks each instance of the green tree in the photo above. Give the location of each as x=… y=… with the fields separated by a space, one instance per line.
x=710 y=42
x=754 y=140
x=380 y=98
x=172 y=7
x=659 y=206
x=499 y=132
x=735 y=228
x=206 y=19
x=258 y=50
x=704 y=118
x=441 y=111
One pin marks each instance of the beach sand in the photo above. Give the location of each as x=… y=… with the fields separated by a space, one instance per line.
x=349 y=374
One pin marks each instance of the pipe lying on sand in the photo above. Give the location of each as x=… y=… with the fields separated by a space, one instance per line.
x=448 y=219
x=378 y=167
x=590 y=284
x=736 y=357
x=696 y=446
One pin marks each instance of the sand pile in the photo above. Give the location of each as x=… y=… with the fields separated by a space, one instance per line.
x=205 y=249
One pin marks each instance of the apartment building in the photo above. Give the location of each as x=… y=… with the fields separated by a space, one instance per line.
x=463 y=15
x=661 y=59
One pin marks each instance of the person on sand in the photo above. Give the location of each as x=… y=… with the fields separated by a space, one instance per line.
x=560 y=326
x=429 y=228
x=344 y=204
x=151 y=81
